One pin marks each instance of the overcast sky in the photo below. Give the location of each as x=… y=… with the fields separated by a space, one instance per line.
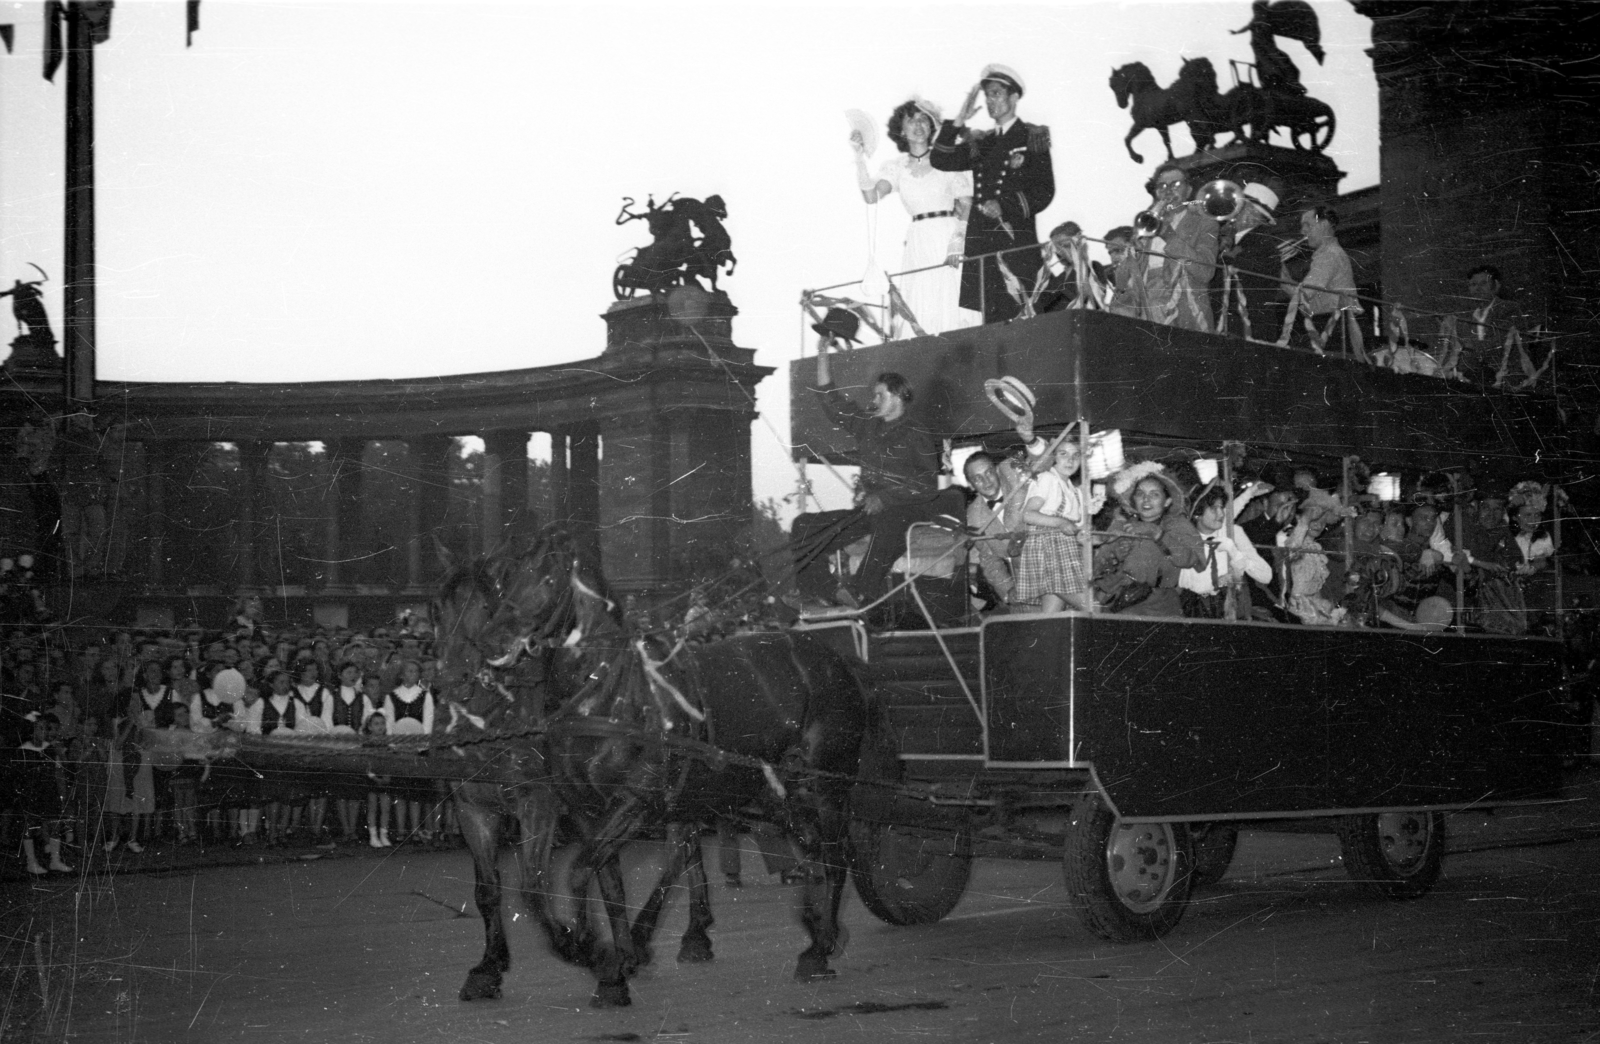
x=333 y=190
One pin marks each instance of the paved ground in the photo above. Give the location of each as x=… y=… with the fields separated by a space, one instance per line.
x=366 y=946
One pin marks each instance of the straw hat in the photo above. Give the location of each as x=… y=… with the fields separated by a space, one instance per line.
x=1010 y=396
x=1124 y=481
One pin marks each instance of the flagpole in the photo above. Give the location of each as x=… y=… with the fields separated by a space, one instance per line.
x=78 y=296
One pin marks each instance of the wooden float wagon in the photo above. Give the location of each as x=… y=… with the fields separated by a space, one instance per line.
x=1154 y=740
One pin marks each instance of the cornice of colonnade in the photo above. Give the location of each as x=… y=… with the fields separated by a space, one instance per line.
x=579 y=395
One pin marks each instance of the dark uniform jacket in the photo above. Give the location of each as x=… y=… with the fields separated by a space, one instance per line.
x=1014 y=169
x=899 y=462
x=1257 y=268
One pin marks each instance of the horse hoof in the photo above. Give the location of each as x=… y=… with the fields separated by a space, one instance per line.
x=611 y=995
x=697 y=951
x=813 y=969
x=480 y=987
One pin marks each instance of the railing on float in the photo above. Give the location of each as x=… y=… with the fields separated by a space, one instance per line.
x=1380 y=310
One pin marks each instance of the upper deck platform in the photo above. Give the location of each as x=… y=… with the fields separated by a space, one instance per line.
x=1171 y=385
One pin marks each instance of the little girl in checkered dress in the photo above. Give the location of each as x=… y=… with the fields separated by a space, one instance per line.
x=1050 y=569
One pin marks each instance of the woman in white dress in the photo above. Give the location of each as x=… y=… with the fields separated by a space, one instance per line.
x=937 y=202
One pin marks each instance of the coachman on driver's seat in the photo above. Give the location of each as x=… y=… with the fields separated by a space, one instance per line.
x=899 y=482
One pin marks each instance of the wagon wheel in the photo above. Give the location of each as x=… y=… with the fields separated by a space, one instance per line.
x=908 y=877
x=1213 y=845
x=621 y=284
x=1127 y=881
x=1398 y=855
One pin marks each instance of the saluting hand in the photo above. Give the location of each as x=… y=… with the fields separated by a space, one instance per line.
x=969 y=107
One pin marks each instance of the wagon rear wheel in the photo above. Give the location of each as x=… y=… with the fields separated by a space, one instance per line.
x=1213 y=845
x=1398 y=855
x=907 y=876
x=1127 y=881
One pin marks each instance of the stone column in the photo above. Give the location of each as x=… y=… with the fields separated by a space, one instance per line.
x=560 y=486
x=430 y=498
x=247 y=524
x=344 y=510
x=635 y=514
x=583 y=486
x=505 y=483
x=711 y=501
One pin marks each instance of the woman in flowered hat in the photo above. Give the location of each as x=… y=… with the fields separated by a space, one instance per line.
x=1149 y=543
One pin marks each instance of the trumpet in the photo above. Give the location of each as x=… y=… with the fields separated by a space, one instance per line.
x=1221 y=199
x=1289 y=248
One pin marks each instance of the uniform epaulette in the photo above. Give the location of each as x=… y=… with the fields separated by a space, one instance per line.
x=1038 y=138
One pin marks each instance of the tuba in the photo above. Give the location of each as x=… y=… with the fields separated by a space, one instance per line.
x=1222 y=199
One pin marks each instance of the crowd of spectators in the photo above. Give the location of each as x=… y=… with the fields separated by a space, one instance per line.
x=77 y=704
x=1289 y=547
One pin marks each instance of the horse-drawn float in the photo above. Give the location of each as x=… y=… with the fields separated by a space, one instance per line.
x=1140 y=745
x=885 y=746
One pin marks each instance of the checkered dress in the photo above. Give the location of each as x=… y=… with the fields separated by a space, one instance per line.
x=1051 y=563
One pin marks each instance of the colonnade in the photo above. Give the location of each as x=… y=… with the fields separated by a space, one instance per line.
x=659 y=421
x=504 y=497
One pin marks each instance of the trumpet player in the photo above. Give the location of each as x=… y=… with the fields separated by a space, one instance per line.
x=1323 y=306
x=1178 y=255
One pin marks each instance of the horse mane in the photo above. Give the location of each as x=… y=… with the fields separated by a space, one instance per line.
x=1135 y=74
x=1200 y=72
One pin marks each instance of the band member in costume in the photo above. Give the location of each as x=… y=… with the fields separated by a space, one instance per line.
x=1180 y=257
x=1253 y=298
x=1012 y=180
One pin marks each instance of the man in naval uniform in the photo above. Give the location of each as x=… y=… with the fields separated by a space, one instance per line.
x=1012 y=181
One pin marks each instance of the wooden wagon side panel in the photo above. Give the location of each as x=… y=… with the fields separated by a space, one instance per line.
x=1199 y=719
x=1159 y=380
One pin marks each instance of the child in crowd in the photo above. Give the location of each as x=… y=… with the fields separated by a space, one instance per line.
x=347 y=710
x=1050 y=569
x=409 y=708
x=379 y=801
x=185 y=781
x=40 y=795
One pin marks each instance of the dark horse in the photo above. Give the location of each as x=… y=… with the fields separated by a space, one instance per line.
x=621 y=734
x=1192 y=99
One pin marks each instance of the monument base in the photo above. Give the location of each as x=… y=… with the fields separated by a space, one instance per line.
x=1298 y=176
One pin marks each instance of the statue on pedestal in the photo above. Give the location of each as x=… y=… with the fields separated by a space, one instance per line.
x=674 y=256
x=1283 y=101
x=35 y=343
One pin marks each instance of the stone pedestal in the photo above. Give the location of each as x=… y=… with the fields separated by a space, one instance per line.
x=34 y=354
x=684 y=316
x=1297 y=176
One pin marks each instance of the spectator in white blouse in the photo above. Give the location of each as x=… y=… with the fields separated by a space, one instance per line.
x=1229 y=559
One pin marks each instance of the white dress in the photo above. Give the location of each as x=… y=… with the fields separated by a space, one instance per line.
x=933 y=297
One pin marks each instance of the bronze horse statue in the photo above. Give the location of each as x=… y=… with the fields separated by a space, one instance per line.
x=1192 y=99
x=621 y=733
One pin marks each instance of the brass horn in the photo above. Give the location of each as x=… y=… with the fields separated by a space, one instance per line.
x=1222 y=199
x=1145 y=223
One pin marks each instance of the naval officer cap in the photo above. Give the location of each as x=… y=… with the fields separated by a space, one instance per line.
x=1004 y=75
